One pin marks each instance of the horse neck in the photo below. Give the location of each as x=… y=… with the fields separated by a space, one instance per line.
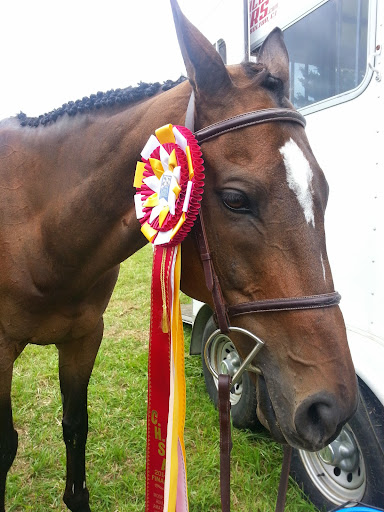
x=94 y=211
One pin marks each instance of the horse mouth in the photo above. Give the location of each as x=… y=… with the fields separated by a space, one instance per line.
x=266 y=412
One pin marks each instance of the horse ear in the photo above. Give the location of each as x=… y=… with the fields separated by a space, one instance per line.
x=273 y=53
x=205 y=68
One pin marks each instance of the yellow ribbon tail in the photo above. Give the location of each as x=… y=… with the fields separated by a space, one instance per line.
x=176 y=477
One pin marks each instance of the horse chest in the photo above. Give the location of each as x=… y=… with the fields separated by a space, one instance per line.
x=43 y=303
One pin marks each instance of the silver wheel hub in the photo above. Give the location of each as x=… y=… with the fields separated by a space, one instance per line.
x=338 y=470
x=342 y=453
x=231 y=363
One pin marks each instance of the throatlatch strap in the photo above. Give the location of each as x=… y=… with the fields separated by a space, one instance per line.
x=224 y=404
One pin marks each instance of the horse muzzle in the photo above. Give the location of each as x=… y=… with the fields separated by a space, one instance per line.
x=315 y=422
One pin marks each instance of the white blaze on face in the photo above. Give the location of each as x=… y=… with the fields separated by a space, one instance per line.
x=323 y=266
x=299 y=177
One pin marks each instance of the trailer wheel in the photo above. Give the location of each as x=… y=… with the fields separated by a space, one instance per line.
x=350 y=469
x=243 y=395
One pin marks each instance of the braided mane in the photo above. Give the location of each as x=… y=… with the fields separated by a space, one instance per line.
x=100 y=100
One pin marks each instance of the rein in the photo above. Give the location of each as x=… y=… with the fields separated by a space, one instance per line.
x=224 y=312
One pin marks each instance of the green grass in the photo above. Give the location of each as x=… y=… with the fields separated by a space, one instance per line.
x=117 y=430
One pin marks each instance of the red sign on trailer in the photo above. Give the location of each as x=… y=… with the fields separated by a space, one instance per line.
x=261 y=12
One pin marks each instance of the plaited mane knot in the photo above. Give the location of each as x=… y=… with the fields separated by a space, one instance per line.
x=100 y=100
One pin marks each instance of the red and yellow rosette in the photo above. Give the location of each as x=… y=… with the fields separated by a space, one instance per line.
x=169 y=186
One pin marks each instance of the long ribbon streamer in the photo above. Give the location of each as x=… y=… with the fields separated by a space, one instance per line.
x=169 y=185
x=166 y=467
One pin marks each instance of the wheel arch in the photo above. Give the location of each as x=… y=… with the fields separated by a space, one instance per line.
x=368 y=355
x=201 y=319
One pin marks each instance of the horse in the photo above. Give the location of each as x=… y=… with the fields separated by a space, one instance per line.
x=68 y=221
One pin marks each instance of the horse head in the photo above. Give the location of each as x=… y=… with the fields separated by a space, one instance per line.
x=264 y=204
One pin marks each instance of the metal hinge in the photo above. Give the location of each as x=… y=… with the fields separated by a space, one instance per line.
x=372 y=67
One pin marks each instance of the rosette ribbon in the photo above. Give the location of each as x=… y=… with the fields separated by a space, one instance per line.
x=169 y=186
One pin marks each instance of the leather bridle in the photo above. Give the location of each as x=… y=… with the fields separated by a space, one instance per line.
x=224 y=312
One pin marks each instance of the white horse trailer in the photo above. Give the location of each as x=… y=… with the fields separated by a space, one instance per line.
x=335 y=50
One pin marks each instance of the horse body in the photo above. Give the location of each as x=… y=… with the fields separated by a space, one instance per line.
x=68 y=217
x=67 y=220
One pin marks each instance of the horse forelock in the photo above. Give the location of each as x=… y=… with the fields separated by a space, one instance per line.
x=100 y=100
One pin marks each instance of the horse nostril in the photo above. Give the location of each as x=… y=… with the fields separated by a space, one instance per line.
x=317 y=419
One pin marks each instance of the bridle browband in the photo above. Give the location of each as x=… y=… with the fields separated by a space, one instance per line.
x=223 y=311
x=249 y=119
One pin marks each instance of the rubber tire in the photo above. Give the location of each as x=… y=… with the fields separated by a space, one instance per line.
x=368 y=429
x=243 y=413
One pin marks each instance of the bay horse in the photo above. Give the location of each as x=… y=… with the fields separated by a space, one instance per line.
x=68 y=220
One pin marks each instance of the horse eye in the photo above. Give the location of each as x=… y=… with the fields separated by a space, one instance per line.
x=236 y=201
